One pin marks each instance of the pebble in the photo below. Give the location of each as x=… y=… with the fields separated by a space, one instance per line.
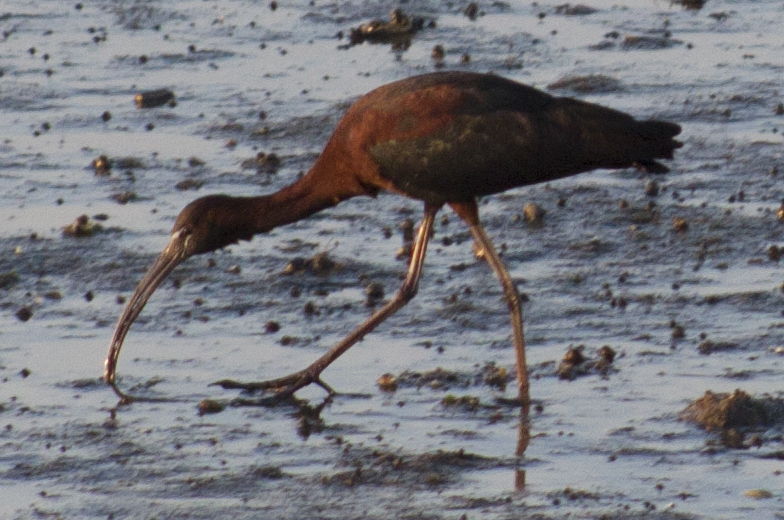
x=680 y=224
x=533 y=213
x=387 y=382
x=758 y=494
x=102 y=166
x=24 y=314
x=209 y=406
x=374 y=292
x=154 y=98
x=271 y=327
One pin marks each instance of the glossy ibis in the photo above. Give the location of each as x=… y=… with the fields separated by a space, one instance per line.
x=442 y=138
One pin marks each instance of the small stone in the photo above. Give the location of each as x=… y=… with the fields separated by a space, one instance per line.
x=24 y=314
x=195 y=162
x=374 y=292
x=124 y=197
x=533 y=213
x=81 y=227
x=8 y=279
x=606 y=353
x=102 y=166
x=758 y=494
x=189 y=184
x=574 y=10
x=678 y=332
x=310 y=309
x=322 y=264
x=209 y=406
x=407 y=228
x=296 y=265
x=271 y=327
x=680 y=225
x=471 y=11
x=387 y=382
x=438 y=53
x=154 y=98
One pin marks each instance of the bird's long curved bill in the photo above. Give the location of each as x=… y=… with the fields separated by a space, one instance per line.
x=168 y=260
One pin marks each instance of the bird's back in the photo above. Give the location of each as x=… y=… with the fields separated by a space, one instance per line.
x=453 y=136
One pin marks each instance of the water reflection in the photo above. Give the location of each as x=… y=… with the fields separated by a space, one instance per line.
x=523 y=439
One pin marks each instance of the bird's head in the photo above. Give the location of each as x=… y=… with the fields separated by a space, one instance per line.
x=204 y=225
x=209 y=223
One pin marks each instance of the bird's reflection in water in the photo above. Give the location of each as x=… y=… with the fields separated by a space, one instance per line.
x=523 y=439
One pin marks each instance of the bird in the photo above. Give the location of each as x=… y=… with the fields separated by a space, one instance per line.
x=443 y=138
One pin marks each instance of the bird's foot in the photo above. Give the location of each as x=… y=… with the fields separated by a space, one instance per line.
x=126 y=399
x=283 y=387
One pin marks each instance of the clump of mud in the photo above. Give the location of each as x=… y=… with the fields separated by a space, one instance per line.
x=488 y=374
x=574 y=10
x=574 y=363
x=263 y=163
x=320 y=264
x=397 y=31
x=612 y=40
x=738 y=409
x=646 y=42
x=735 y=415
x=82 y=226
x=587 y=83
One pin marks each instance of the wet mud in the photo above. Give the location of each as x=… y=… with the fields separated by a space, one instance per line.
x=114 y=115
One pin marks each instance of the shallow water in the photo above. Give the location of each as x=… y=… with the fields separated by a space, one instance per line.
x=609 y=446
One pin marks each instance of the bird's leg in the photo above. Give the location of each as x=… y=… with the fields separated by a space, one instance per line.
x=287 y=385
x=469 y=213
x=515 y=307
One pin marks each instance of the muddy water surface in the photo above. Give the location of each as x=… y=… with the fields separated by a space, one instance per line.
x=682 y=279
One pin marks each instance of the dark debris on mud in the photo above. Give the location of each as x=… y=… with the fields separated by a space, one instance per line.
x=429 y=470
x=598 y=83
x=397 y=31
x=439 y=378
x=575 y=364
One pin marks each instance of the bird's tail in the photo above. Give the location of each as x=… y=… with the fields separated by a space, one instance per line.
x=655 y=140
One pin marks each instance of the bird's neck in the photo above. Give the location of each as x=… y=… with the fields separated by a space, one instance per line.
x=308 y=195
